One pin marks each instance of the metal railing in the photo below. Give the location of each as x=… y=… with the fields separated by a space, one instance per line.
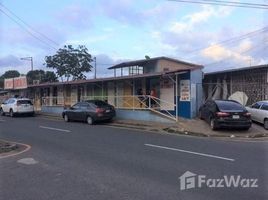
x=134 y=102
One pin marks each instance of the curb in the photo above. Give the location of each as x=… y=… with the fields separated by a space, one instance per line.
x=7 y=147
x=165 y=129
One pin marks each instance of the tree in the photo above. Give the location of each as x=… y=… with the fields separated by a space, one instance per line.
x=35 y=75
x=42 y=76
x=11 y=74
x=50 y=77
x=70 y=62
x=8 y=74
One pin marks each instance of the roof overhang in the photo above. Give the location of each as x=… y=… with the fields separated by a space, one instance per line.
x=144 y=62
x=99 y=80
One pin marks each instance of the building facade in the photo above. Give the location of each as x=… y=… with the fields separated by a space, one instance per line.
x=167 y=87
x=250 y=82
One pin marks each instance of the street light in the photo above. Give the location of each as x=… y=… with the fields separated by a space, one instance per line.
x=95 y=62
x=29 y=59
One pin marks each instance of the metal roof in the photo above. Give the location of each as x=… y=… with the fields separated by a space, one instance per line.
x=107 y=79
x=144 y=62
x=238 y=69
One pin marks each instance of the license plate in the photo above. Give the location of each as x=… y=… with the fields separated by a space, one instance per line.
x=108 y=111
x=236 y=116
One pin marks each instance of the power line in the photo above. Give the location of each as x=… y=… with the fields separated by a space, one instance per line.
x=224 y=3
x=30 y=27
x=29 y=32
x=239 y=3
x=234 y=39
x=241 y=53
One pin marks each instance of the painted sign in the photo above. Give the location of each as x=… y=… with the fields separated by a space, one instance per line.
x=8 y=83
x=185 y=90
x=16 y=83
x=20 y=82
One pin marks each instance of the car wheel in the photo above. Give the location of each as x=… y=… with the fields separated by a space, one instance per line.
x=2 y=112
x=89 y=120
x=212 y=124
x=266 y=124
x=11 y=113
x=66 y=118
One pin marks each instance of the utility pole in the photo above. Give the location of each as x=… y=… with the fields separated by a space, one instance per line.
x=95 y=67
x=29 y=59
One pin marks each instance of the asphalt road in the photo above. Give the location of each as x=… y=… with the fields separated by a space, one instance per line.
x=77 y=161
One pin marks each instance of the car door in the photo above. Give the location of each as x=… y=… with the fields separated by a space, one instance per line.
x=8 y=105
x=5 y=105
x=263 y=112
x=255 y=108
x=73 y=112
x=84 y=106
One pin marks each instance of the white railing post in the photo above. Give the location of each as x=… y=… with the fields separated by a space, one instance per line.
x=176 y=95
x=133 y=102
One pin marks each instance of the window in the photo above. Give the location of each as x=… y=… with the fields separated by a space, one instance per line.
x=256 y=105
x=134 y=70
x=100 y=103
x=264 y=106
x=76 y=106
x=229 y=105
x=11 y=101
x=24 y=102
x=84 y=106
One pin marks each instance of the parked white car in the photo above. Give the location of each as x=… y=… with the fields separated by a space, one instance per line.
x=15 y=106
x=259 y=112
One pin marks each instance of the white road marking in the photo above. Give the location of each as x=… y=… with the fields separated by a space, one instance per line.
x=54 y=129
x=27 y=161
x=190 y=152
x=2 y=120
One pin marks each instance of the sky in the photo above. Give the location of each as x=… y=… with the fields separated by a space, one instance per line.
x=116 y=31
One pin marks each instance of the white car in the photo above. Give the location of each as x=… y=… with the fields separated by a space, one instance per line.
x=259 y=112
x=14 y=106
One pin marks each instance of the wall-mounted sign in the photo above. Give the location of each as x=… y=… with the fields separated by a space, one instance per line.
x=185 y=90
x=16 y=83
x=9 y=84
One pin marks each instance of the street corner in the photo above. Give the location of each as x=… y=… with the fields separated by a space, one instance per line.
x=8 y=148
x=199 y=128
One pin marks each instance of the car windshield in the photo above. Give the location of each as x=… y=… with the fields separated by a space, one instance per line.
x=98 y=103
x=229 y=105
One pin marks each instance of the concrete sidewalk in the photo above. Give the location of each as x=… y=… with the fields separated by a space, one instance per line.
x=195 y=127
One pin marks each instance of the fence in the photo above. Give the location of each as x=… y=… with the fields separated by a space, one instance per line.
x=246 y=94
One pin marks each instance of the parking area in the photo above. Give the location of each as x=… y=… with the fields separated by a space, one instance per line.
x=200 y=126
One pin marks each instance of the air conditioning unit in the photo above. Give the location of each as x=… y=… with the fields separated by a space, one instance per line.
x=36 y=82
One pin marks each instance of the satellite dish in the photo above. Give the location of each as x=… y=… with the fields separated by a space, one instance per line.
x=240 y=97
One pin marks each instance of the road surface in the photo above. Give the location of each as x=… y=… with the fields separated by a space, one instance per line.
x=77 y=161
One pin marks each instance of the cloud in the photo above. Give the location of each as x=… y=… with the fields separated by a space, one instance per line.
x=221 y=56
x=75 y=16
x=10 y=61
x=189 y=22
x=123 y=11
x=104 y=61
